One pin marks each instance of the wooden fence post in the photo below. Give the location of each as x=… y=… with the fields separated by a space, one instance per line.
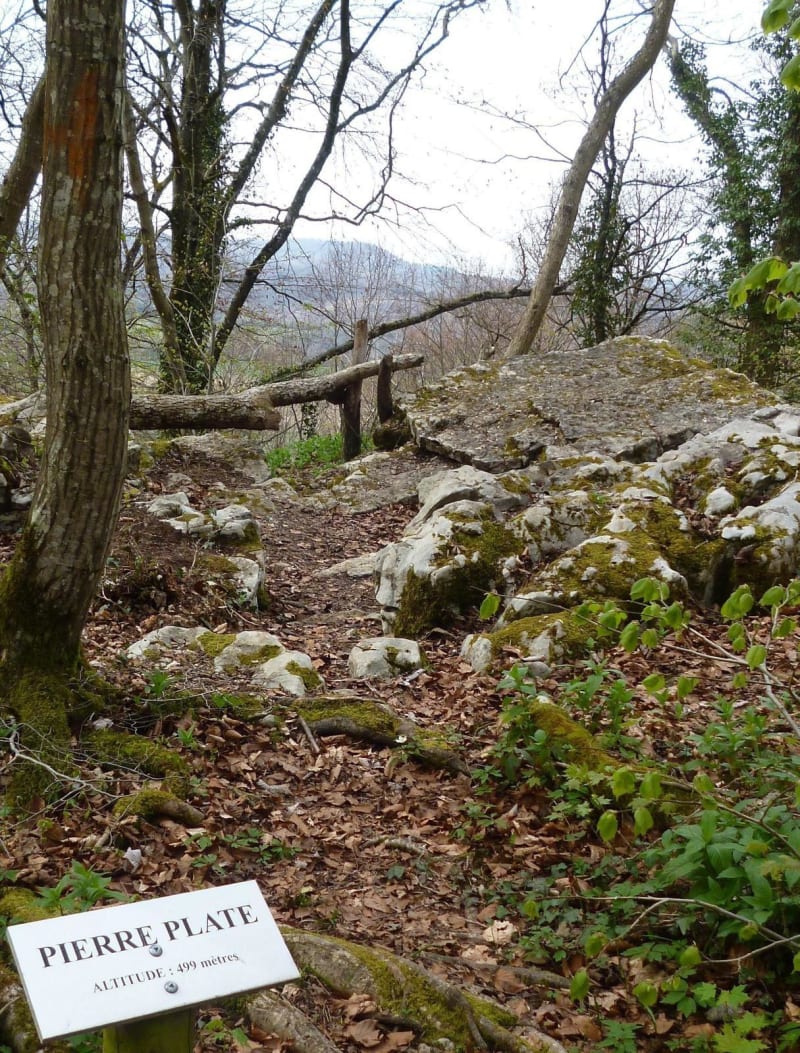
x=383 y=398
x=350 y=409
x=173 y=1033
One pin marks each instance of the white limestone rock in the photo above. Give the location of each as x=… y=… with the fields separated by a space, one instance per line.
x=167 y=506
x=167 y=638
x=384 y=657
x=249 y=648
x=291 y=673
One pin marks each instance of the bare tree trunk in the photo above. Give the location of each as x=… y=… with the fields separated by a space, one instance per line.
x=569 y=201
x=51 y=580
x=22 y=173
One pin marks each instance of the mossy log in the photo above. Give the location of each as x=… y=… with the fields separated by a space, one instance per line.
x=371 y=721
x=401 y=990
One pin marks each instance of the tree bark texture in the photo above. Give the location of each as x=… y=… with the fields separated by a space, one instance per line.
x=47 y=588
x=572 y=190
x=350 y=406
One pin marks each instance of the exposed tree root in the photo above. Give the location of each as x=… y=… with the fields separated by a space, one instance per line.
x=275 y=1015
x=371 y=721
x=400 y=989
x=153 y=803
x=17 y=1030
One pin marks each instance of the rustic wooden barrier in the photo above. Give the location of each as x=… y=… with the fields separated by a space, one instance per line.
x=256 y=408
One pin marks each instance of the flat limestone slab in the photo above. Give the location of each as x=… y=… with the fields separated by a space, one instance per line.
x=630 y=398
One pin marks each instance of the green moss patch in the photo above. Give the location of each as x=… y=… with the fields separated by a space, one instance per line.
x=213 y=644
x=133 y=751
x=312 y=681
x=568 y=631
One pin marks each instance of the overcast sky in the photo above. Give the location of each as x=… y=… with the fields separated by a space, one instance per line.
x=485 y=172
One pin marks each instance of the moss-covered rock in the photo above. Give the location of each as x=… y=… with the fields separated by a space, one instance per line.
x=465 y=569
x=391 y=433
x=546 y=638
x=568 y=740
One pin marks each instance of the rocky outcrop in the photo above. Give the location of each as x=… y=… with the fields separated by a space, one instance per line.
x=451 y=552
x=630 y=398
x=650 y=465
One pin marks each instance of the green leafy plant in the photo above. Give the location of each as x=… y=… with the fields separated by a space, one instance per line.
x=317 y=452
x=701 y=860
x=78 y=890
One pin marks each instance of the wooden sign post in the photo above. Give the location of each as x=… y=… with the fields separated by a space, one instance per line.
x=135 y=970
x=173 y=1033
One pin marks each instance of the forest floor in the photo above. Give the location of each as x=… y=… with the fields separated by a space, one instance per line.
x=344 y=838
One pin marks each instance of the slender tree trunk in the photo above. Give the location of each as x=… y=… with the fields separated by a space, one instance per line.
x=570 y=198
x=22 y=173
x=47 y=588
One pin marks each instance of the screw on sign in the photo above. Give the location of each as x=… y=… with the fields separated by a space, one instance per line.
x=136 y=970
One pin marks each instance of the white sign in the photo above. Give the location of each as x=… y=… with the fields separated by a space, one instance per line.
x=109 y=966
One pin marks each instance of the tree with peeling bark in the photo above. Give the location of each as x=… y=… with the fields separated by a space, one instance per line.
x=607 y=108
x=47 y=588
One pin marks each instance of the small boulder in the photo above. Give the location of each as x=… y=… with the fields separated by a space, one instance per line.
x=384 y=657
x=291 y=673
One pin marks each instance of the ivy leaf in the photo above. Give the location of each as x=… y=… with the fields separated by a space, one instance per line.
x=654 y=683
x=784 y=628
x=788 y=310
x=629 y=637
x=623 y=782
x=595 y=942
x=650 y=787
x=790 y=282
x=685 y=685
x=607 y=826
x=790 y=74
x=756 y=656
x=579 y=988
x=776 y=15
x=642 y=821
x=738 y=603
x=737 y=294
x=647 y=993
x=773 y=597
x=769 y=270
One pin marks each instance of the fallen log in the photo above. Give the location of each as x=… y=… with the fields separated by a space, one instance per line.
x=253 y=409
x=331 y=387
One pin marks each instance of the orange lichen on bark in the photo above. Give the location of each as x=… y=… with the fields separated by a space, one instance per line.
x=83 y=126
x=78 y=134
